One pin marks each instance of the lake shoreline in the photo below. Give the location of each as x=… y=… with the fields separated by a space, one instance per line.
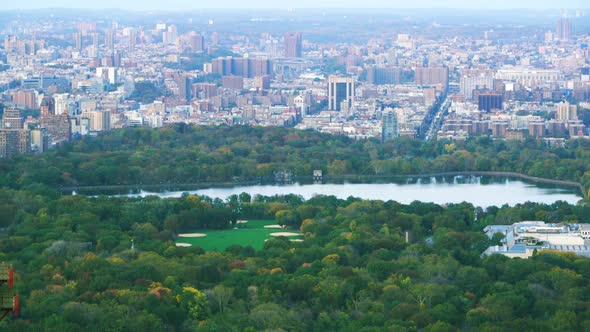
x=329 y=179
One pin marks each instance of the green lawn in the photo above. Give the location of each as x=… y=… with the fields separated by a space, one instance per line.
x=252 y=234
x=257 y=224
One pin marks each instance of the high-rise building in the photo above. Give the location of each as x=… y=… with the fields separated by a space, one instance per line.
x=300 y=103
x=549 y=36
x=389 y=125
x=117 y=62
x=243 y=67
x=184 y=88
x=47 y=106
x=556 y=128
x=340 y=93
x=499 y=128
x=470 y=83
x=13 y=138
x=262 y=82
x=432 y=76
x=566 y=112
x=79 y=125
x=480 y=127
x=204 y=90
x=86 y=28
x=14 y=142
x=109 y=39
x=39 y=140
x=222 y=66
x=489 y=101
x=233 y=82
x=95 y=40
x=100 y=120
x=170 y=35
x=78 y=40
x=380 y=75
x=197 y=42
x=564 y=29
x=576 y=128
x=108 y=74
x=537 y=129
x=25 y=99
x=12 y=118
x=10 y=43
x=132 y=41
x=293 y=45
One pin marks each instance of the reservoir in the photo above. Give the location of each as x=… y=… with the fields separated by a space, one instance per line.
x=483 y=191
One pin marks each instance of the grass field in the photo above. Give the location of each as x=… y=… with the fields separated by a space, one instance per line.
x=251 y=233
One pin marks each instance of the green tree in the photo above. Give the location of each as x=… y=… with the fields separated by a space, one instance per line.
x=222 y=296
x=194 y=302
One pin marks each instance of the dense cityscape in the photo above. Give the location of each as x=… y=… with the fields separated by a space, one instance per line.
x=329 y=169
x=72 y=74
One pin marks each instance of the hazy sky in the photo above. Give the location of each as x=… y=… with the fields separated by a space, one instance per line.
x=208 y=4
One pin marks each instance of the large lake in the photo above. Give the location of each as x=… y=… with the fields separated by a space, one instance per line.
x=478 y=190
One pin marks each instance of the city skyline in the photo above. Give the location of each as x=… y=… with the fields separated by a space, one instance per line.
x=175 y=5
x=447 y=73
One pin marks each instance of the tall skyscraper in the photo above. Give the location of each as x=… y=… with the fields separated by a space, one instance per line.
x=564 y=29
x=95 y=40
x=293 y=45
x=566 y=112
x=197 y=42
x=184 y=88
x=340 y=93
x=109 y=39
x=132 y=41
x=170 y=35
x=78 y=40
x=389 y=125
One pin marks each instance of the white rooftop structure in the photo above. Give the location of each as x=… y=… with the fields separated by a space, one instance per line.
x=523 y=238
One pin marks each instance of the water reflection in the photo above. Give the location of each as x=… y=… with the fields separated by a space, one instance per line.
x=481 y=191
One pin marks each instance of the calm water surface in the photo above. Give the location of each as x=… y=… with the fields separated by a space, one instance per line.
x=484 y=193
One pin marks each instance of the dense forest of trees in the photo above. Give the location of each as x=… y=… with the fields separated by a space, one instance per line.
x=188 y=154
x=354 y=271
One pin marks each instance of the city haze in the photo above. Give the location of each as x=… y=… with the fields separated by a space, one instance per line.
x=175 y=5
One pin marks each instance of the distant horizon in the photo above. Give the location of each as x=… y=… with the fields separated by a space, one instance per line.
x=188 y=5
x=572 y=10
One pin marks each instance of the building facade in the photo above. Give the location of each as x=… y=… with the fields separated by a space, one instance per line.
x=389 y=125
x=340 y=93
x=293 y=45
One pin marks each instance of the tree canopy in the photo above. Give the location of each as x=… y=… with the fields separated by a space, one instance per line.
x=76 y=268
